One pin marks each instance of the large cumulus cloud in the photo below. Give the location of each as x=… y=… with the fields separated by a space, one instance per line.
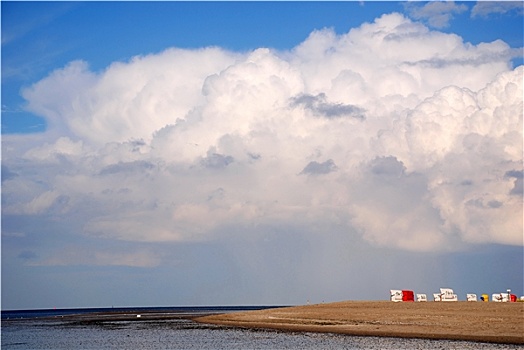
x=410 y=136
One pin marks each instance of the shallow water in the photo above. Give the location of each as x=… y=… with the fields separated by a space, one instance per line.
x=185 y=334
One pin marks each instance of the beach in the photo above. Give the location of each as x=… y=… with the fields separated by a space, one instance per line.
x=470 y=321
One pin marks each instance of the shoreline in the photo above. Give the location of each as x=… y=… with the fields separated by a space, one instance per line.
x=469 y=321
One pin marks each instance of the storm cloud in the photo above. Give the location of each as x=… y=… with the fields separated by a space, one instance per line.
x=319 y=106
x=316 y=168
x=410 y=138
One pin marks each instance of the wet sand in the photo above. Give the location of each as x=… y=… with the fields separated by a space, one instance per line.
x=470 y=321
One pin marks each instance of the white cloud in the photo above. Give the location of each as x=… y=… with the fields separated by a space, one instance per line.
x=464 y=143
x=127 y=100
x=64 y=147
x=409 y=135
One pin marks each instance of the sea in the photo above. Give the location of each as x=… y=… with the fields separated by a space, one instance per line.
x=172 y=328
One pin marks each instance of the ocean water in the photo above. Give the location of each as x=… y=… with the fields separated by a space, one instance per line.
x=49 y=330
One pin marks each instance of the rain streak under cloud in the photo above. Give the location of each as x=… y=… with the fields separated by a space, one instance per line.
x=399 y=135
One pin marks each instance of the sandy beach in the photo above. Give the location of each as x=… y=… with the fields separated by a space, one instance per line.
x=471 y=321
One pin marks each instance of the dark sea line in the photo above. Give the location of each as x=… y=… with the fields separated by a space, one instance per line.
x=166 y=310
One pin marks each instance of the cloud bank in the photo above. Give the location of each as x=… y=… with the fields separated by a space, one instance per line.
x=438 y=14
x=489 y=8
x=410 y=137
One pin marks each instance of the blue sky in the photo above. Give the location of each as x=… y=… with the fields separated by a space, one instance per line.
x=186 y=153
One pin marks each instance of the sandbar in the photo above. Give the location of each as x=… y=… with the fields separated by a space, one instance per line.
x=470 y=321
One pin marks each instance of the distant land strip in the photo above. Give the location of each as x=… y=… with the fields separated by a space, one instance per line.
x=470 y=321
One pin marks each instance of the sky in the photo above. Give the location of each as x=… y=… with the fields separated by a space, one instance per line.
x=259 y=153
